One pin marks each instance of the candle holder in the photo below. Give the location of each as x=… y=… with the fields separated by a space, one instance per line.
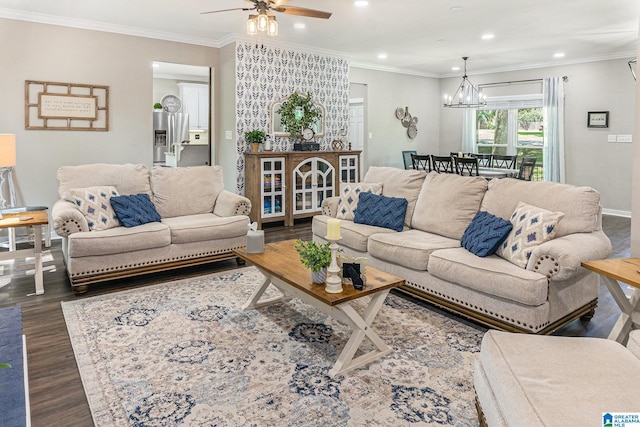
x=333 y=282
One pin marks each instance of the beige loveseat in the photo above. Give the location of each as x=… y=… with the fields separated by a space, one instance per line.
x=551 y=290
x=200 y=221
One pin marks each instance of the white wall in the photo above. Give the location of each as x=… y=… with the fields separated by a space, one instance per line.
x=590 y=159
x=31 y=51
x=387 y=91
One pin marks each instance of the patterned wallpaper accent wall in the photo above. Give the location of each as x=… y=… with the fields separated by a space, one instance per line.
x=265 y=74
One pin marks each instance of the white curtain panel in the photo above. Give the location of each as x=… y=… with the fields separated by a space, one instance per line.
x=469 y=130
x=553 y=112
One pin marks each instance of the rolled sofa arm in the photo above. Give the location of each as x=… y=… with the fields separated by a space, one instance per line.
x=330 y=206
x=560 y=258
x=67 y=219
x=231 y=204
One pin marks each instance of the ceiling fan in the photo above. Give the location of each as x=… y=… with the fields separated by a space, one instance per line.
x=263 y=6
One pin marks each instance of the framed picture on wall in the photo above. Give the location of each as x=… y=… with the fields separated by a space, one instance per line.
x=598 y=119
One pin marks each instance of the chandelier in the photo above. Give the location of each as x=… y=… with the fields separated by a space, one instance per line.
x=467 y=95
x=262 y=22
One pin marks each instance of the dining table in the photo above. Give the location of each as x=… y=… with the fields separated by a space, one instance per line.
x=490 y=173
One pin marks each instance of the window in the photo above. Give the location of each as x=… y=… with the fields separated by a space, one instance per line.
x=510 y=127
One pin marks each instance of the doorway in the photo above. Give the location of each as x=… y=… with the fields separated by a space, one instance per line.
x=358 y=122
x=184 y=132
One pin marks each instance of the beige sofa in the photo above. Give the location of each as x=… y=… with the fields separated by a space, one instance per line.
x=549 y=292
x=200 y=221
x=533 y=381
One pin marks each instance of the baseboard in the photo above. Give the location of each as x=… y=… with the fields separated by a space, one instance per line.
x=614 y=212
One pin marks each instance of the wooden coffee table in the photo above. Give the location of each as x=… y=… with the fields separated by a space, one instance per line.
x=626 y=270
x=282 y=268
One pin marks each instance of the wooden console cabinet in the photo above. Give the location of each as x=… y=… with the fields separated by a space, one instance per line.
x=287 y=185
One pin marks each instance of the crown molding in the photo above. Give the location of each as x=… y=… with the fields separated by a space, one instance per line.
x=239 y=38
x=104 y=27
x=389 y=69
x=530 y=66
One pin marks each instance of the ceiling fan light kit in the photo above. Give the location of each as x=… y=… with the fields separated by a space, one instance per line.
x=467 y=95
x=264 y=22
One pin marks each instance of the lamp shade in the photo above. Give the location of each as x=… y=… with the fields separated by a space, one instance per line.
x=7 y=150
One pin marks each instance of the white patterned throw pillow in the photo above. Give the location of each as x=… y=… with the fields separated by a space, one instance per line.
x=95 y=205
x=532 y=226
x=349 y=198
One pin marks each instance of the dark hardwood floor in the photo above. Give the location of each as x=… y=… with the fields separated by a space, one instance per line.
x=56 y=392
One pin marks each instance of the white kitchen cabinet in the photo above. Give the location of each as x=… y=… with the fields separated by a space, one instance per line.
x=195 y=102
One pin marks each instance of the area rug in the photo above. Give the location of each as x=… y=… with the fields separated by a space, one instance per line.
x=12 y=391
x=185 y=353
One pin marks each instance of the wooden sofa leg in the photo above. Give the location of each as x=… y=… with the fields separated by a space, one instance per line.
x=80 y=289
x=588 y=315
x=240 y=262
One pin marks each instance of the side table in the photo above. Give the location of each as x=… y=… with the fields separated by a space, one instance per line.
x=35 y=219
x=626 y=270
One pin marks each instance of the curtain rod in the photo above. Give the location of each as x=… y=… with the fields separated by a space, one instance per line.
x=564 y=79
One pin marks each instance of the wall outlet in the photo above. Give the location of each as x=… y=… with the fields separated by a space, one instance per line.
x=228 y=135
x=612 y=138
x=625 y=138
x=370 y=135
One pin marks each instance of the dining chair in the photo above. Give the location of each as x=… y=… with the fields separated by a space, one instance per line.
x=467 y=166
x=505 y=162
x=421 y=162
x=406 y=157
x=442 y=164
x=526 y=168
x=484 y=160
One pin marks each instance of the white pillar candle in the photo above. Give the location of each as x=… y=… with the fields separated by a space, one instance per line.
x=333 y=228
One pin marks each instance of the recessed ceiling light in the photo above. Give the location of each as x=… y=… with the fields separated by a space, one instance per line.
x=382 y=56
x=455 y=68
x=455 y=8
x=558 y=55
x=299 y=25
x=361 y=3
x=487 y=36
x=155 y=65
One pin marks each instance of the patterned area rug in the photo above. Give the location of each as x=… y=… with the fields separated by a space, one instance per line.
x=184 y=353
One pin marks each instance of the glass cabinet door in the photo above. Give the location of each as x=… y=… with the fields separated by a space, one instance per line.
x=313 y=182
x=349 y=169
x=272 y=191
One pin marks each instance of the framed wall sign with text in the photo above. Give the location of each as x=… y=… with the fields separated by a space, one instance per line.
x=598 y=119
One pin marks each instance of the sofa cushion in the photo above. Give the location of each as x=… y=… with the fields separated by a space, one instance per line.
x=534 y=380
x=447 y=203
x=206 y=227
x=404 y=184
x=94 y=203
x=127 y=178
x=581 y=205
x=411 y=248
x=532 y=226
x=491 y=275
x=185 y=191
x=119 y=240
x=135 y=209
x=381 y=211
x=485 y=233
x=354 y=236
x=349 y=195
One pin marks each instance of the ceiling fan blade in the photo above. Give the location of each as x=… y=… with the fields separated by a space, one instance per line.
x=302 y=11
x=226 y=10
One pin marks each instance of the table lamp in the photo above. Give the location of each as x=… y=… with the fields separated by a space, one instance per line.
x=7 y=162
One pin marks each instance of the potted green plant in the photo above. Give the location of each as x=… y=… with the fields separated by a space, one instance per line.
x=255 y=137
x=316 y=256
x=307 y=115
x=157 y=106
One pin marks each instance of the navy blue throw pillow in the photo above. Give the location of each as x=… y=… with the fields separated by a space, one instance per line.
x=136 y=209
x=387 y=212
x=485 y=234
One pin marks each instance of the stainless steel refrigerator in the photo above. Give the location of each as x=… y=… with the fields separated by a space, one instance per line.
x=168 y=129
